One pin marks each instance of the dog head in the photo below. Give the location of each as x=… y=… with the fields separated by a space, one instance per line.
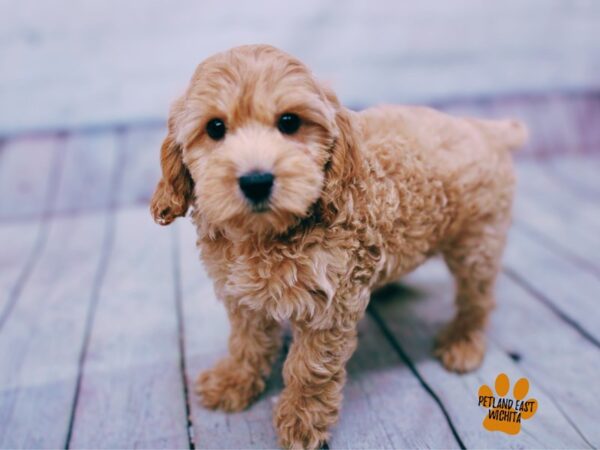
x=254 y=144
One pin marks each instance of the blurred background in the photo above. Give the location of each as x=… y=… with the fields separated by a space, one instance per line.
x=85 y=63
x=106 y=319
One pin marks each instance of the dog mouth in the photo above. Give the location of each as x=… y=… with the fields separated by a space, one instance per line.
x=260 y=208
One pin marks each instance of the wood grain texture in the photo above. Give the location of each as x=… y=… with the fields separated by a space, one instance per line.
x=40 y=344
x=42 y=339
x=385 y=405
x=29 y=175
x=569 y=287
x=131 y=391
x=66 y=197
x=556 y=359
x=544 y=206
x=414 y=314
x=18 y=248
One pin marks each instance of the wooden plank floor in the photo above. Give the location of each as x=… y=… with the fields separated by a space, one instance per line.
x=106 y=318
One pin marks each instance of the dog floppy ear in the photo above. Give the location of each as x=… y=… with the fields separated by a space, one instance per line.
x=174 y=191
x=343 y=165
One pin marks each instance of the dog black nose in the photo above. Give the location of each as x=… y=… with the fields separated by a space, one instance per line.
x=256 y=186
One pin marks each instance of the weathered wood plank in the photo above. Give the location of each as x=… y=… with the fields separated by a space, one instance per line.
x=29 y=167
x=42 y=338
x=541 y=344
x=378 y=382
x=18 y=243
x=58 y=187
x=555 y=358
x=40 y=343
x=29 y=175
x=385 y=405
x=142 y=163
x=581 y=174
x=414 y=315
x=131 y=391
x=566 y=285
x=536 y=182
x=379 y=410
x=570 y=221
x=88 y=165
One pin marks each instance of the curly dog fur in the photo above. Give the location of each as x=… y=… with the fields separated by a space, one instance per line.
x=358 y=200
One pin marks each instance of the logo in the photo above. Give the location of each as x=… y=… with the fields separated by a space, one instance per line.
x=506 y=413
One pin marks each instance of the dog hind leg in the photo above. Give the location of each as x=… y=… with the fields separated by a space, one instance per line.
x=474 y=260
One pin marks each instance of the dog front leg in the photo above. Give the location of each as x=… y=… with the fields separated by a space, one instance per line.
x=314 y=375
x=240 y=377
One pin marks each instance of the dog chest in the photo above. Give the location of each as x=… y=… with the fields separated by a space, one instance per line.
x=285 y=281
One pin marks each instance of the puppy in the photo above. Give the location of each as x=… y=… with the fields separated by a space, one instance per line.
x=303 y=207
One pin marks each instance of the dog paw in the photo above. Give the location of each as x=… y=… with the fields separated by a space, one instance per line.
x=228 y=386
x=299 y=426
x=460 y=351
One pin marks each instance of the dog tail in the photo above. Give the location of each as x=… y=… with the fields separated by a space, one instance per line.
x=509 y=133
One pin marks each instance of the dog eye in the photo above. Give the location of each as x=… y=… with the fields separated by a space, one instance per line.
x=215 y=128
x=288 y=123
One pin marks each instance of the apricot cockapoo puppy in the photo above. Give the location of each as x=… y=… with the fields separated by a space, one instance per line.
x=303 y=207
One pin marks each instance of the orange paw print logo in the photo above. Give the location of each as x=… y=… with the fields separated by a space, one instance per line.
x=505 y=413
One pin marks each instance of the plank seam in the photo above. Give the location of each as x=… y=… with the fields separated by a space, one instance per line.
x=43 y=230
x=107 y=246
x=406 y=359
x=181 y=337
x=546 y=393
x=550 y=305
